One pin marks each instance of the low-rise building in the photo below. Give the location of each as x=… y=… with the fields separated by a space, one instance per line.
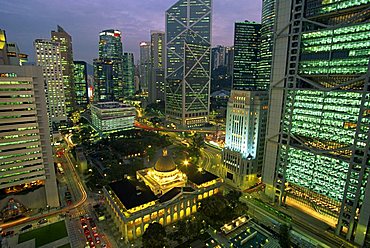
x=112 y=116
x=163 y=194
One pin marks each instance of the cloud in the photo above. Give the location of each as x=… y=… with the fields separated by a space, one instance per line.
x=25 y=21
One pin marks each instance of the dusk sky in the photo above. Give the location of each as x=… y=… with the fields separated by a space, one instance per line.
x=25 y=21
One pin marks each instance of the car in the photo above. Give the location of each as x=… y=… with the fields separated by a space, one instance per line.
x=86 y=231
x=83 y=224
x=42 y=221
x=92 y=245
x=82 y=218
x=104 y=245
x=95 y=233
x=89 y=238
x=8 y=233
x=97 y=239
x=92 y=224
x=26 y=227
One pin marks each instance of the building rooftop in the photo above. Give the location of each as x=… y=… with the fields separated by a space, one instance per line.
x=196 y=176
x=132 y=193
x=111 y=105
x=170 y=194
x=165 y=163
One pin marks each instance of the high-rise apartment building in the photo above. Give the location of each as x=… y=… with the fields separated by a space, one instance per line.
x=188 y=56
x=108 y=68
x=49 y=58
x=218 y=57
x=145 y=65
x=156 y=86
x=128 y=75
x=26 y=160
x=317 y=151
x=81 y=84
x=230 y=60
x=66 y=53
x=247 y=40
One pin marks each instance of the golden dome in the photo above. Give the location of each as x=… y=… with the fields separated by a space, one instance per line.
x=165 y=163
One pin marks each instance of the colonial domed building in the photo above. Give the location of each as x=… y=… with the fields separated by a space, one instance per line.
x=164 y=176
x=163 y=193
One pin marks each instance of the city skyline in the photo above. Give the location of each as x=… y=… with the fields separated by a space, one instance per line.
x=85 y=21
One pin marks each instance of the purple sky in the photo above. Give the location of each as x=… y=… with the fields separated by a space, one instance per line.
x=25 y=21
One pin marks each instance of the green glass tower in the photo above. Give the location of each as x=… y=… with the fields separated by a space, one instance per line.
x=187 y=65
x=110 y=44
x=81 y=87
x=128 y=75
x=108 y=68
x=317 y=151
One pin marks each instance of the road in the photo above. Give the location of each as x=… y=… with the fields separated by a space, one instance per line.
x=211 y=160
x=298 y=223
x=164 y=129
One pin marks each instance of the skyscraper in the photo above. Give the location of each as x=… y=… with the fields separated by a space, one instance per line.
x=246 y=110
x=188 y=55
x=49 y=58
x=247 y=40
x=145 y=65
x=66 y=53
x=26 y=160
x=156 y=86
x=128 y=75
x=246 y=118
x=80 y=84
x=110 y=44
x=244 y=143
x=318 y=132
x=108 y=68
x=218 y=57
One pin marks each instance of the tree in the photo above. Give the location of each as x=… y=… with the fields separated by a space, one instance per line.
x=284 y=239
x=196 y=143
x=154 y=236
x=233 y=198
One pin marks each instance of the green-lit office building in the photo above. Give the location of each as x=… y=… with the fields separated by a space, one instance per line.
x=128 y=75
x=80 y=84
x=317 y=149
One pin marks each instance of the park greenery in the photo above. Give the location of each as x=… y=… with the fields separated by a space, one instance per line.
x=154 y=236
x=213 y=211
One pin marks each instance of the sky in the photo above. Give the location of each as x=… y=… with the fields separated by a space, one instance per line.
x=27 y=20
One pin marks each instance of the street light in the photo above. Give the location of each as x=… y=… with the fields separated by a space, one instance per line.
x=186 y=162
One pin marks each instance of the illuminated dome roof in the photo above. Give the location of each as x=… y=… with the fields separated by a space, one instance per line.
x=165 y=163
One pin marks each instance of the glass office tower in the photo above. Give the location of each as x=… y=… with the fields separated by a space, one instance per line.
x=187 y=73
x=128 y=75
x=156 y=87
x=108 y=68
x=318 y=133
x=247 y=39
x=80 y=84
x=110 y=44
